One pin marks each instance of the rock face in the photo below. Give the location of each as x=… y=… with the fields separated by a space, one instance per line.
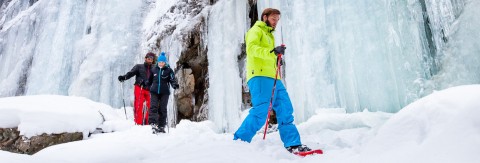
x=11 y=140
x=192 y=66
x=184 y=95
x=191 y=99
x=194 y=60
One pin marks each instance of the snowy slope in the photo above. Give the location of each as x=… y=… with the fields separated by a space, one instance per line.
x=39 y=114
x=441 y=127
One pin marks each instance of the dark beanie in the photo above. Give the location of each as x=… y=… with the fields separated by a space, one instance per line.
x=150 y=54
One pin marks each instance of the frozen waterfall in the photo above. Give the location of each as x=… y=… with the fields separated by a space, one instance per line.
x=69 y=47
x=379 y=55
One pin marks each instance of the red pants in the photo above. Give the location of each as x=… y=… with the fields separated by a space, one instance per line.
x=141 y=95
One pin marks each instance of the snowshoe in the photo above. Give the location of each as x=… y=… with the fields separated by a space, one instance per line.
x=303 y=150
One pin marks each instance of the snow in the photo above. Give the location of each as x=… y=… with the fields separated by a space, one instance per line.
x=441 y=127
x=352 y=57
x=159 y=7
x=49 y=114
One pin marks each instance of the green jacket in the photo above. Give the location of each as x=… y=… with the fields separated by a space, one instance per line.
x=260 y=61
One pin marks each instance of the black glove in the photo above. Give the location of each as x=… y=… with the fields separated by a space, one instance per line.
x=121 y=78
x=279 y=50
x=175 y=86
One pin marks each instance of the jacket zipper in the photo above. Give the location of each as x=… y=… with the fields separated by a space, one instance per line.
x=159 y=80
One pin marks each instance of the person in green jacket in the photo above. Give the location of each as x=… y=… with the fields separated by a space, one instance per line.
x=261 y=69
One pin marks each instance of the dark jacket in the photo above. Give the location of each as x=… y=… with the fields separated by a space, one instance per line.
x=141 y=72
x=161 y=80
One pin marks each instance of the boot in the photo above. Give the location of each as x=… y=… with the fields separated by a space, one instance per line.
x=298 y=148
x=156 y=129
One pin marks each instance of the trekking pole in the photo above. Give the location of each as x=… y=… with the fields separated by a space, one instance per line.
x=279 y=58
x=145 y=111
x=124 y=108
x=168 y=126
x=144 y=107
x=174 y=112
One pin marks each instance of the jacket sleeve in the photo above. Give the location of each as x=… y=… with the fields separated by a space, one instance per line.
x=173 y=80
x=252 y=39
x=132 y=72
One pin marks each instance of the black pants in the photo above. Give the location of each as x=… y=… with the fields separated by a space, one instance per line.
x=158 y=112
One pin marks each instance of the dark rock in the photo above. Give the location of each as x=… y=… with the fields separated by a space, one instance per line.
x=11 y=140
x=253 y=13
x=192 y=65
x=194 y=58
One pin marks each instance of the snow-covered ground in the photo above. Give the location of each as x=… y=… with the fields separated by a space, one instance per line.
x=441 y=127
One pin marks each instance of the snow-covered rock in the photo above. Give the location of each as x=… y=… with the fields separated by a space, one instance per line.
x=31 y=123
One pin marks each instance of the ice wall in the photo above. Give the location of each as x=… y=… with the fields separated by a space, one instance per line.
x=227 y=25
x=377 y=55
x=69 y=47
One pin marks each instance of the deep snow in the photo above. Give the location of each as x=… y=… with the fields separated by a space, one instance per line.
x=441 y=127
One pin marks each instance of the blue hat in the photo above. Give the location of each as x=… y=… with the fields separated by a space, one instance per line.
x=162 y=58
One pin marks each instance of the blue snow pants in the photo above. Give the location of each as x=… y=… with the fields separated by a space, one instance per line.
x=261 y=91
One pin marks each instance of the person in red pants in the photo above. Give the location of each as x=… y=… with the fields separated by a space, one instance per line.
x=141 y=72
